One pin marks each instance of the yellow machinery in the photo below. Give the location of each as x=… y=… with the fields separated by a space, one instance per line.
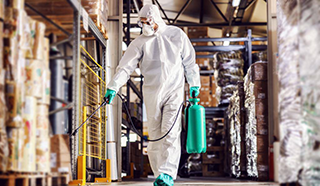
x=92 y=135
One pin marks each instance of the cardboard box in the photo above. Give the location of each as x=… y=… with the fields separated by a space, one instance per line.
x=14 y=103
x=205 y=81
x=197 y=32
x=200 y=43
x=205 y=101
x=39 y=42
x=35 y=75
x=213 y=85
x=1 y=45
x=29 y=134
x=261 y=107
x=259 y=71
x=262 y=144
x=60 y=153
x=260 y=89
x=43 y=154
x=3 y=107
x=46 y=52
x=2 y=9
x=214 y=101
x=42 y=129
x=263 y=166
x=262 y=127
x=14 y=143
x=45 y=87
x=204 y=63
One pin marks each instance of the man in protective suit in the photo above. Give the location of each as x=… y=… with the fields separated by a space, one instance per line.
x=165 y=55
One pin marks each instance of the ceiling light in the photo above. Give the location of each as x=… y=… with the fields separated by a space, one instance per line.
x=235 y=3
x=226 y=43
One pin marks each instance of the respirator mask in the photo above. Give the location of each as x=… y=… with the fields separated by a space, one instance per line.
x=147 y=27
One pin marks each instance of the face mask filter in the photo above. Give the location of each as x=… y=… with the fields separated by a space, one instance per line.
x=147 y=30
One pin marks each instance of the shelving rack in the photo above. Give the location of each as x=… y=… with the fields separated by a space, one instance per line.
x=247 y=49
x=73 y=41
x=78 y=12
x=136 y=90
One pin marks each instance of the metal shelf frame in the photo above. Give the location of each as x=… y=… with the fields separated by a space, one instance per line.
x=77 y=16
x=131 y=85
x=247 y=47
x=212 y=112
x=73 y=41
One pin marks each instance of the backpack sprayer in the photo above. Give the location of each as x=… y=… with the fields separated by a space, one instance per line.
x=196 y=124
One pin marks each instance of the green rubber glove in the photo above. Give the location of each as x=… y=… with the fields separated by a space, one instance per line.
x=110 y=94
x=195 y=90
x=163 y=180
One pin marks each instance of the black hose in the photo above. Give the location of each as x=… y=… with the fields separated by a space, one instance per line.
x=131 y=122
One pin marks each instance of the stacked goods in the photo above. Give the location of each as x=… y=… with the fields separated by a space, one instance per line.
x=27 y=82
x=298 y=70
x=205 y=97
x=229 y=70
x=4 y=150
x=98 y=11
x=212 y=160
x=256 y=128
x=60 y=153
x=259 y=56
x=135 y=110
x=200 y=32
x=309 y=67
x=235 y=134
x=194 y=163
x=207 y=92
x=135 y=153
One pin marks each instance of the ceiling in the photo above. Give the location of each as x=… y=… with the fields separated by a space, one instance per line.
x=218 y=14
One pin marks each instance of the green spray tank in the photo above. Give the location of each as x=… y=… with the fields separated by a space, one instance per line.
x=196 y=127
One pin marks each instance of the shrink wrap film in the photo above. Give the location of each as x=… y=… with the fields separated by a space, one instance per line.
x=39 y=42
x=229 y=70
x=34 y=80
x=4 y=149
x=309 y=66
x=43 y=154
x=290 y=111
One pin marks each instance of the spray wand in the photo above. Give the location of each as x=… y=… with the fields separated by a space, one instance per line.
x=106 y=101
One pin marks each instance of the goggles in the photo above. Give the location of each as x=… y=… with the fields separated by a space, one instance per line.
x=141 y=23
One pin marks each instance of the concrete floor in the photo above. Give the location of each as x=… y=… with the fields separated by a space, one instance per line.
x=195 y=181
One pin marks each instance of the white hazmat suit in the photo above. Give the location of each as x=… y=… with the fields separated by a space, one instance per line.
x=165 y=57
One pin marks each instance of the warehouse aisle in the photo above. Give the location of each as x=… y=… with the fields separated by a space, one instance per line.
x=198 y=181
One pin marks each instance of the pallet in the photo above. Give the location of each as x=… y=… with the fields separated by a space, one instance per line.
x=59 y=179
x=25 y=179
x=290 y=184
x=216 y=150
x=212 y=170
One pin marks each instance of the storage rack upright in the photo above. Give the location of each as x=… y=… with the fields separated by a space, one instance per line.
x=73 y=40
x=130 y=85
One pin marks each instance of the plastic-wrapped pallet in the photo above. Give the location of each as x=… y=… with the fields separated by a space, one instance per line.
x=256 y=128
x=309 y=67
x=235 y=137
x=98 y=11
x=229 y=71
x=251 y=129
x=290 y=91
x=4 y=150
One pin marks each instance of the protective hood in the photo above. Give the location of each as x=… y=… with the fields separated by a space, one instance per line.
x=151 y=12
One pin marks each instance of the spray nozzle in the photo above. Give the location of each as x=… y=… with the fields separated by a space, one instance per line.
x=194 y=94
